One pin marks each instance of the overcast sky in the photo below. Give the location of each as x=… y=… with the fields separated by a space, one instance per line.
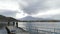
x=34 y=8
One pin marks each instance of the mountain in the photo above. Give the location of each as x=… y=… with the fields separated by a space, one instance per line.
x=33 y=18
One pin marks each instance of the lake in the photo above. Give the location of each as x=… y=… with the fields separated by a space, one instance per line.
x=46 y=26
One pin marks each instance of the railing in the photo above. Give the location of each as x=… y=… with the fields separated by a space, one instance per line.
x=45 y=31
x=40 y=29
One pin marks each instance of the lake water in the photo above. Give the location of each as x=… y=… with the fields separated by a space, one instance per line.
x=46 y=26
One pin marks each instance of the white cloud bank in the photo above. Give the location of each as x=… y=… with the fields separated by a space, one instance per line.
x=21 y=14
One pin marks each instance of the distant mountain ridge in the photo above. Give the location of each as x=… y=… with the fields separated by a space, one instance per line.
x=33 y=18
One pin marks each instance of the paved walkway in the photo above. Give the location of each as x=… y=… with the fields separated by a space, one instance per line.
x=21 y=31
x=17 y=30
x=3 y=31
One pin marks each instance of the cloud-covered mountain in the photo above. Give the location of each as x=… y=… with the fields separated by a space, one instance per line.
x=33 y=18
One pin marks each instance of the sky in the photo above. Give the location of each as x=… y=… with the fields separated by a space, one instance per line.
x=34 y=8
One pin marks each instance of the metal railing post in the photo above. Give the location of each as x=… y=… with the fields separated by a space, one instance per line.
x=37 y=31
x=54 y=30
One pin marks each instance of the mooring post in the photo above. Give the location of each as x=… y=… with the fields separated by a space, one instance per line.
x=54 y=30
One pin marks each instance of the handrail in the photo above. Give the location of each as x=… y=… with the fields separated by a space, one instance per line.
x=37 y=30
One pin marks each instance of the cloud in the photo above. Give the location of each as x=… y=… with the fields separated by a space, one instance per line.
x=8 y=13
x=48 y=13
x=21 y=14
x=34 y=6
x=42 y=8
x=9 y=8
x=8 y=5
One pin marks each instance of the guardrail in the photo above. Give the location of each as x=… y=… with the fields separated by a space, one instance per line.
x=33 y=29
x=39 y=31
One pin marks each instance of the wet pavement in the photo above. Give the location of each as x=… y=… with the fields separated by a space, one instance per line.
x=3 y=31
x=17 y=30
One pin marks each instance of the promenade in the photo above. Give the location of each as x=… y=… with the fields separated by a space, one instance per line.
x=17 y=30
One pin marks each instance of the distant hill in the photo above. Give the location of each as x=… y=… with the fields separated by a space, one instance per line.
x=4 y=18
